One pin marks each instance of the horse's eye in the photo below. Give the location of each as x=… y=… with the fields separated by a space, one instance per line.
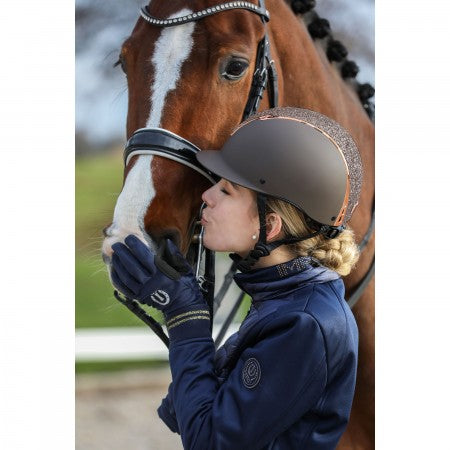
x=121 y=62
x=235 y=69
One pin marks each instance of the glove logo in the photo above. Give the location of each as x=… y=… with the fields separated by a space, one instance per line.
x=161 y=297
x=251 y=373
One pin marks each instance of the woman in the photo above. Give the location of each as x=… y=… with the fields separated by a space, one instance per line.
x=285 y=380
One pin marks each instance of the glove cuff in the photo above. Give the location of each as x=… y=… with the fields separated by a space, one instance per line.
x=190 y=322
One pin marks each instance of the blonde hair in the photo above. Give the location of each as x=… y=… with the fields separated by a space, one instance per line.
x=339 y=254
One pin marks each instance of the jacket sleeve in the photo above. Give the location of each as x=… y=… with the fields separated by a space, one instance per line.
x=273 y=384
x=166 y=412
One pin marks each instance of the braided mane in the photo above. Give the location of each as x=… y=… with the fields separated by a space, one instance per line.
x=336 y=52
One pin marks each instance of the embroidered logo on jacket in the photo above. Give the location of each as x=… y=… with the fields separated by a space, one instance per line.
x=161 y=297
x=251 y=373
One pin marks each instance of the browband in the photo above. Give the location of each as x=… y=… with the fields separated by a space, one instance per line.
x=261 y=11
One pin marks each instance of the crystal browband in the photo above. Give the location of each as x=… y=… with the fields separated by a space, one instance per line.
x=203 y=13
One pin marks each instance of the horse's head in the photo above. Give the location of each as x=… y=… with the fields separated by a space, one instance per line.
x=192 y=79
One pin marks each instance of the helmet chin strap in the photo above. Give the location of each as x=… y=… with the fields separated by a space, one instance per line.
x=262 y=248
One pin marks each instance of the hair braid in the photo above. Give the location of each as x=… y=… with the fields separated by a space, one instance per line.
x=339 y=254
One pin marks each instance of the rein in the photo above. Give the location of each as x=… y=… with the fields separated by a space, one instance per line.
x=163 y=143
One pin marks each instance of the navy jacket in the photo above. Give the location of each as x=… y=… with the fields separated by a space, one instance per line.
x=285 y=380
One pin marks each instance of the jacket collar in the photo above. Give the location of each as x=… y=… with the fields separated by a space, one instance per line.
x=276 y=281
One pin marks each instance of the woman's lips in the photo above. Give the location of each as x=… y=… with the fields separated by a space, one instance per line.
x=203 y=221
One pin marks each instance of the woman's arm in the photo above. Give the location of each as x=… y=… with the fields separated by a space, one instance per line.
x=272 y=385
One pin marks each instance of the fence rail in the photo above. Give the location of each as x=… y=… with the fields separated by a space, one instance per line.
x=123 y=344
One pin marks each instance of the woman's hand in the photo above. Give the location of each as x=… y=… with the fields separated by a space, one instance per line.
x=165 y=282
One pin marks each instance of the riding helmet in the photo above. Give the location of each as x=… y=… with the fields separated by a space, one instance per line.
x=296 y=155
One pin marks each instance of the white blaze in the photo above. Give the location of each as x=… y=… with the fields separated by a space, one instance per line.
x=132 y=203
x=172 y=49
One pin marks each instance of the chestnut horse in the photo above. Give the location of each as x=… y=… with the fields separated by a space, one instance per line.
x=194 y=79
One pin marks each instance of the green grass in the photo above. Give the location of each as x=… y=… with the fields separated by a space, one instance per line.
x=96 y=305
x=116 y=366
x=98 y=183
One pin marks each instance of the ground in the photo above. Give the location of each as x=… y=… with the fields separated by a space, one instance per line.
x=117 y=411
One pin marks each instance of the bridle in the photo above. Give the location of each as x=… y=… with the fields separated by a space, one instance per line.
x=161 y=142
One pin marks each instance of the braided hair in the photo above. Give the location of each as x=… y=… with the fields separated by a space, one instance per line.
x=339 y=254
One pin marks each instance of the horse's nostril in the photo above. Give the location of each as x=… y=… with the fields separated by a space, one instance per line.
x=105 y=231
x=106 y=258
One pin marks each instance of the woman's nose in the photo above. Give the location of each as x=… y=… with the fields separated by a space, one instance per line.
x=207 y=197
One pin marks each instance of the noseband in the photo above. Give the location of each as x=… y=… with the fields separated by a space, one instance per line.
x=161 y=142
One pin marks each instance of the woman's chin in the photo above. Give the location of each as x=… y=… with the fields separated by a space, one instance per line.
x=210 y=244
x=215 y=246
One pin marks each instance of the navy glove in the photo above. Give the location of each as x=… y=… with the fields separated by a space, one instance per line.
x=164 y=281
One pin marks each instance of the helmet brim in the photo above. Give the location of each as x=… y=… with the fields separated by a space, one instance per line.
x=213 y=161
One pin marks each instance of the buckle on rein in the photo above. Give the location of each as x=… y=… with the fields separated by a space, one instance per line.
x=198 y=238
x=203 y=282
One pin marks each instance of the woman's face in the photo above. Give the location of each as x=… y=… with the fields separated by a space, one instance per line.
x=230 y=218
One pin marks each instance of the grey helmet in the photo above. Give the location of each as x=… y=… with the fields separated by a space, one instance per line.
x=296 y=155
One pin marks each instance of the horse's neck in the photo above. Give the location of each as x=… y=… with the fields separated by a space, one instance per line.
x=308 y=80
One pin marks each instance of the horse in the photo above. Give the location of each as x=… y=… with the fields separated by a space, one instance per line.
x=193 y=78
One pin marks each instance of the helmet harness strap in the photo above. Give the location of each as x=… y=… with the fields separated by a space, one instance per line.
x=262 y=248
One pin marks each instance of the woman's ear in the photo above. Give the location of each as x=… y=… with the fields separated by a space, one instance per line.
x=273 y=226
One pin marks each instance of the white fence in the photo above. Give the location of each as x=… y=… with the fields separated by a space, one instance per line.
x=124 y=344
